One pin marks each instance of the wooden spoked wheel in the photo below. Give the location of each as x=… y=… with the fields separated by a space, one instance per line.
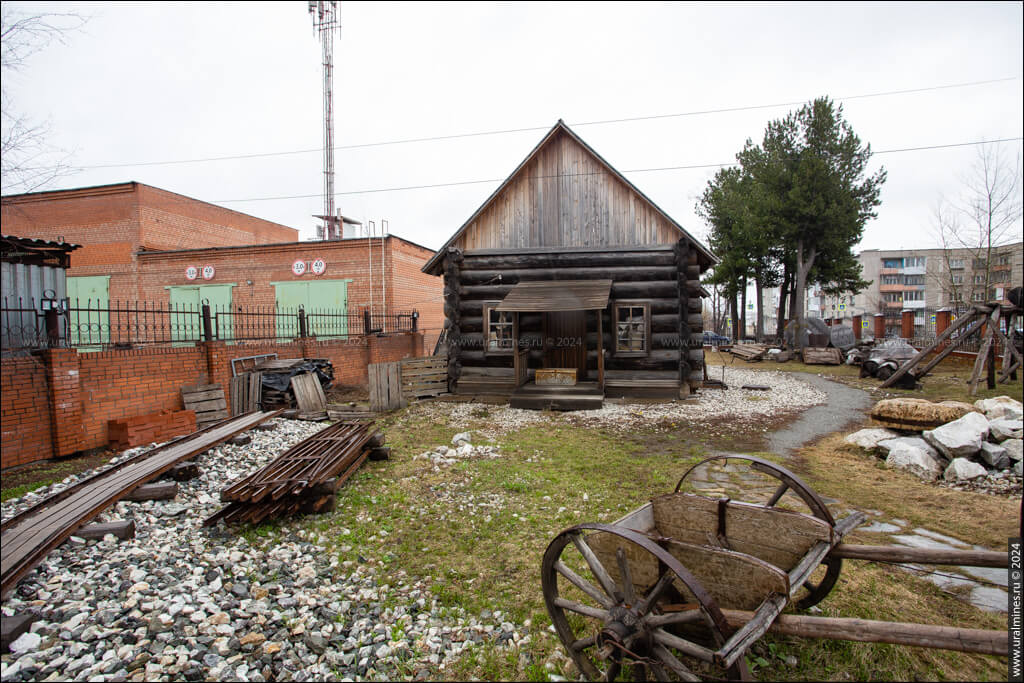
x=790 y=491
x=626 y=609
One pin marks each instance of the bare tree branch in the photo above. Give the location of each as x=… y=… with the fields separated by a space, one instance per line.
x=28 y=161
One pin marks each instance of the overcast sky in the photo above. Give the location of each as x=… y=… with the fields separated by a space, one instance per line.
x=158 y=82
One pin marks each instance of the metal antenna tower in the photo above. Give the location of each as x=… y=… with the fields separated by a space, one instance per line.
x=325 y=23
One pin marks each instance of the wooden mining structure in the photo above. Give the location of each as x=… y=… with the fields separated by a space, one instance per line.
x=568 y=266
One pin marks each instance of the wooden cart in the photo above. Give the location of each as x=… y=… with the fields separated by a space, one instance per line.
x=680 y=588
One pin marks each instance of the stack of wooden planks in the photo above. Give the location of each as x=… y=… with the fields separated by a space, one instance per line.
x=302 y=479
x=245 y=392
x=146 y=429
x=749 y=352
x=822 y=355
x=309 y=396
x=206 y=401
x=424 y=377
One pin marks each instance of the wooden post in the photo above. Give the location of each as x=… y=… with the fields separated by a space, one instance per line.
x=600 y=349
x=303 y=333
x=985 y=352
x=857 y=327
x=207 y=324
x=367 y=321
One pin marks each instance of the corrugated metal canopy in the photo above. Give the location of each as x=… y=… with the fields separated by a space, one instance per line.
x=557 y=295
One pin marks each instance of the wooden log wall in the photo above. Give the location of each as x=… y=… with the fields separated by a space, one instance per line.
x=667 y=278
x=452 y=315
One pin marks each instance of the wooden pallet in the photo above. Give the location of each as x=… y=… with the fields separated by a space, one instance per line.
x=385 y=386
x=245 y=392
x=424 y=377
x=749 y=352
x=206 y=401
x=309 y=396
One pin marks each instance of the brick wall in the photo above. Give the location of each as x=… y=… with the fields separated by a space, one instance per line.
x=415 y=289
x=24 y=412
x=58 y=403
x=121 y=384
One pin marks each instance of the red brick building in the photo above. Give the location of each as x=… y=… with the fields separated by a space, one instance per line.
x=350 y=274
x=114 y=223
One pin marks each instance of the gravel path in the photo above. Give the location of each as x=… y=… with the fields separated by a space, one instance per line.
x=179 y=602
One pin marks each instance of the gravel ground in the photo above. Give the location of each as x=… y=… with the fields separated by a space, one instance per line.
x=179 y=602
x=787 y=395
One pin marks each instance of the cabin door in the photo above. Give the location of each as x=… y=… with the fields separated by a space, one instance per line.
x=565 y=344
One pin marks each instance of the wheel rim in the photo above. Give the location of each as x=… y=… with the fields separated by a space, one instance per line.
x=611 y=625
x=818 y=588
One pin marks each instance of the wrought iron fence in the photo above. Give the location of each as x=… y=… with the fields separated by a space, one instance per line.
x=95 y=325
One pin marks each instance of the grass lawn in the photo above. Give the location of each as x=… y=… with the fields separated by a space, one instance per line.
x=478 y=529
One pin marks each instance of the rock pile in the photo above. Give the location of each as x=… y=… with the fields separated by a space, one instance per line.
x=461 y=449
x=981 y=441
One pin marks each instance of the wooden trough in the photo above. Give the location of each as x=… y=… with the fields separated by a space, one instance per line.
x=680 y=588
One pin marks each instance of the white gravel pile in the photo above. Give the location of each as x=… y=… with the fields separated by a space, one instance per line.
x=786 y=395
x=180 y=602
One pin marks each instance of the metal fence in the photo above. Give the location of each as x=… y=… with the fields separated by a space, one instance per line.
x=94 y=325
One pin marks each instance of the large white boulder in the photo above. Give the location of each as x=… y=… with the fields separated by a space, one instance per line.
x=1018 y=468
x=916 y=461
x=960 y=438
x=962 y=469
x=869 y=439
x=994 y=456
x=909 y=442
x=1000 y=406
x=462 y=438
x=1005 y=428
x=1014 y=449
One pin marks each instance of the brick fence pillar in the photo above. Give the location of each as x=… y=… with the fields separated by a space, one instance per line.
x=907 y=324
x=879 y=326
x=64 y=387
x=943 y=317
x=857 y=326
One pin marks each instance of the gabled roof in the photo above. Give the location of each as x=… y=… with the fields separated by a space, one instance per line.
x=433 y=266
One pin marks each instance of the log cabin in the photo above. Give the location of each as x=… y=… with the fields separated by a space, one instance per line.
x=569 y=285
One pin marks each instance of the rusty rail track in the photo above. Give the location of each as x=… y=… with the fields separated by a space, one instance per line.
x=29 y=536
x=304 y=477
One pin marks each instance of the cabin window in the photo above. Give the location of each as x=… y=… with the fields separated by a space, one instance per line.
x=632 y=328
x=497 y=329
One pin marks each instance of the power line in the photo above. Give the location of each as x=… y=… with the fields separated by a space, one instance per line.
x=567 y=175
x=403 y=141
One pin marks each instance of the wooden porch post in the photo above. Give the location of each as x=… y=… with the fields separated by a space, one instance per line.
x=516 y=370
x=600 y=349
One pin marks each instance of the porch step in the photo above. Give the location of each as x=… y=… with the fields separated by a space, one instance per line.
x=583 y=396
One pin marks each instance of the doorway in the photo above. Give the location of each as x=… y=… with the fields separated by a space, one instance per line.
x=565 y=341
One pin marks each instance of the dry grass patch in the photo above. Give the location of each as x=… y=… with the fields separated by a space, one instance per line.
x=858 y=478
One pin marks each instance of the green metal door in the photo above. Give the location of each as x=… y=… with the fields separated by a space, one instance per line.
x=89 y=298
x=326 y=313
x=186 y=321
x=324 y=301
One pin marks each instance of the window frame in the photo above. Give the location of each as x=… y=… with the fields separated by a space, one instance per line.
x=645 y=304
x=486 y=329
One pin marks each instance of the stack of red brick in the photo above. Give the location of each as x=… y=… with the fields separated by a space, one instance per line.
x=146 y=429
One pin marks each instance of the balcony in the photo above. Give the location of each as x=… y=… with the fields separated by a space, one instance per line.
x=890 y=271
x=891 y=288
x=913 y=270
x=894 y=304
x=913 y=304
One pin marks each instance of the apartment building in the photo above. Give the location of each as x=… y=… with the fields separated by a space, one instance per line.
x=925 y=280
